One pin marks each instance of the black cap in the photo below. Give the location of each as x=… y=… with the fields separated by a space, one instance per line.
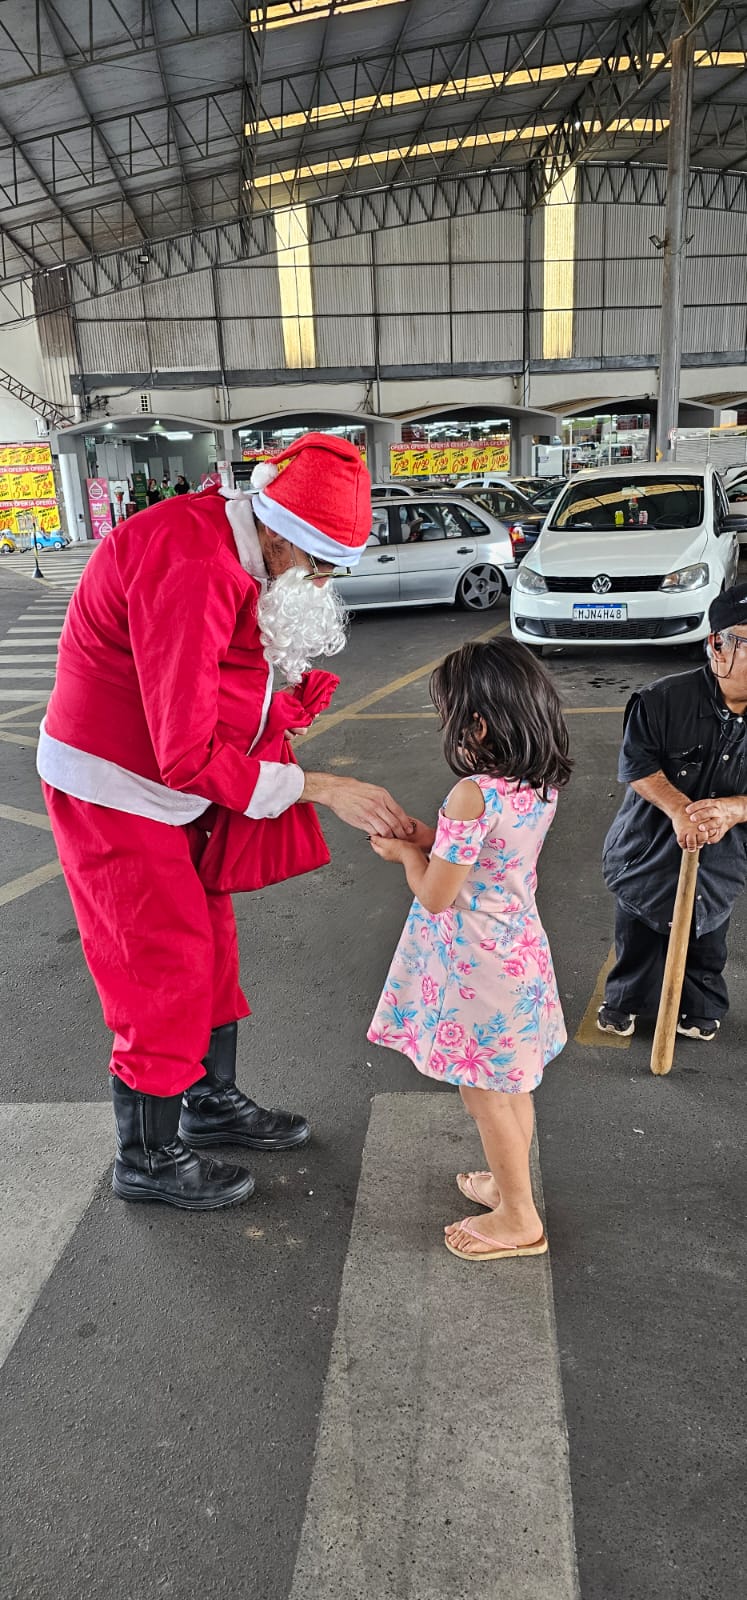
x=729 y=610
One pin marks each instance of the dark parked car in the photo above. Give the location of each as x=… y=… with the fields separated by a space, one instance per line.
x=541 y=491
x=523 y=519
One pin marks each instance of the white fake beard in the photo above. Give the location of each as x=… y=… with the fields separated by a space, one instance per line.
x=298 y=622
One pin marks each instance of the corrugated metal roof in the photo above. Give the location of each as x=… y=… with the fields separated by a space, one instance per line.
x=124 y=123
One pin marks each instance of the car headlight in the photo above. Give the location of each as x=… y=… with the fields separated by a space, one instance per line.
x=531 y=582
x=687 y=578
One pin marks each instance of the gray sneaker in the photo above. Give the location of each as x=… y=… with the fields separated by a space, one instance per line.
x=697 y=1028
x=620 y=1022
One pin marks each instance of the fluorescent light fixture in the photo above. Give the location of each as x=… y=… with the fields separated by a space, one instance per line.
x=168 y=435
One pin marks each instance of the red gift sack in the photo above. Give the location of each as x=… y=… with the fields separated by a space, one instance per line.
x=244 y=853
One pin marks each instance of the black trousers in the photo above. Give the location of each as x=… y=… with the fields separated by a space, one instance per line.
x=634 y=983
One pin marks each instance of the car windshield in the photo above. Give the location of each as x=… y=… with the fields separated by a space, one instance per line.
x=608 y=504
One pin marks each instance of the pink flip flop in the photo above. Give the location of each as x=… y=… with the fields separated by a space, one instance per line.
x=466 y=1187
x=498 y=1251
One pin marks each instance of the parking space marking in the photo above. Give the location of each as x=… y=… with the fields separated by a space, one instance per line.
x=588 y=1032
x=30 y=880
x=410 y=716
x=30 y=819
x=22 y=711
x=346 y=713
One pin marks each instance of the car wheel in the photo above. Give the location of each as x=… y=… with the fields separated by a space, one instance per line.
x=481 y=588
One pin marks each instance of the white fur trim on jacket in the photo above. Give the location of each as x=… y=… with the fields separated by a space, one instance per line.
x=278 y=787
x=302 y=534
x=245 y=536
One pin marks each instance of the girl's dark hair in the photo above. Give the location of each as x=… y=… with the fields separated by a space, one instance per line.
x=502 y=683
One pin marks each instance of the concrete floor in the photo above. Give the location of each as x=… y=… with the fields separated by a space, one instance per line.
x=165 y=1375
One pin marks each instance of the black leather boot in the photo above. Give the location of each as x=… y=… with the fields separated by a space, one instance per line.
x=153 y=1164
x=215 y=1112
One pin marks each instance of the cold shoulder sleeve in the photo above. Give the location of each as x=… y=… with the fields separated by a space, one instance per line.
x=461 y=842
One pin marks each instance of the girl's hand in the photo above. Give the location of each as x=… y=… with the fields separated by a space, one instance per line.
x=389 y=849
x=424 y=836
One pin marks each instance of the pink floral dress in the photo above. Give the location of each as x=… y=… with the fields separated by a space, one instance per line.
x=471 y=995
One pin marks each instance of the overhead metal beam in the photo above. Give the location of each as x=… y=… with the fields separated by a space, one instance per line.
x=48 y=409
x=50 y=17
x=646 y=41
x=173 y=131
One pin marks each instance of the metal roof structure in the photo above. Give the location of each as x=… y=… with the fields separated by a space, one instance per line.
x=126 y=122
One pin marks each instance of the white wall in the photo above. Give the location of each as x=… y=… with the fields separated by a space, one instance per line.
x=20 y=355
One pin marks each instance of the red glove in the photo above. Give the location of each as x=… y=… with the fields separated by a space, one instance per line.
x=293 y=709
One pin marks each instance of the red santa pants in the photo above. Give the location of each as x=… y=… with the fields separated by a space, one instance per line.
x=162 y=951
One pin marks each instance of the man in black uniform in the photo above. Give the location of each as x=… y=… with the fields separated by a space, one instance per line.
x=684 y=758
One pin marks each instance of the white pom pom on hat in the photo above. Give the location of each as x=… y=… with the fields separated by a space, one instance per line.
x=263 y=475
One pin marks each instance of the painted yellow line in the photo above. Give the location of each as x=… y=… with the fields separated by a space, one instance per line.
x=413 y=716
x=590 y=711
x=31 y=819
x=395 y=684
x=22 y=711
x=588 y=1032
x=26 y=739
x=29 y=881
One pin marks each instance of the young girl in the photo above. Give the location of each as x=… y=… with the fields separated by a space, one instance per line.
x=471 y=995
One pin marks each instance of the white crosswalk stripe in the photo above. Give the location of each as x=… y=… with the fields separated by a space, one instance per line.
x=61 y=568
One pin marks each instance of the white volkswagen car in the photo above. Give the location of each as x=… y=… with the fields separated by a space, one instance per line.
x=628 y=555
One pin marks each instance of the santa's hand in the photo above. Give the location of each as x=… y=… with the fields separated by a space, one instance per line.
x=361 y=805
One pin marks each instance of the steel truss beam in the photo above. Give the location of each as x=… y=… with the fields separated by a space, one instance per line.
x=52 y=413
x=493 y=189
x=156 y=155
x=610 y=94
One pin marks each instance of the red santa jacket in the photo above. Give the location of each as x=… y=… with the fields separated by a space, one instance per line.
x=160 y=668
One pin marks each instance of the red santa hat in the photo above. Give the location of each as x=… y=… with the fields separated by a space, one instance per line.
x=316 y=494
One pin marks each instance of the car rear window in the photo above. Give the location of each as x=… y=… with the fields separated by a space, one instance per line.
x=623 y=501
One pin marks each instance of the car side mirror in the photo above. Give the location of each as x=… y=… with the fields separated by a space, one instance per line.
x=734 y=524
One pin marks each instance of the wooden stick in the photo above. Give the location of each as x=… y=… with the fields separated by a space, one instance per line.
x=662 y=1053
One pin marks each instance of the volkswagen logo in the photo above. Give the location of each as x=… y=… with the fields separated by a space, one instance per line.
x=602 y=584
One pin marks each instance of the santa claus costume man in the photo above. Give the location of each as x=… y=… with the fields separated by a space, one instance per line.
x=152 y=744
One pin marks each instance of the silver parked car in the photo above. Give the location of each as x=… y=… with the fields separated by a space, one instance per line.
x=434 y=549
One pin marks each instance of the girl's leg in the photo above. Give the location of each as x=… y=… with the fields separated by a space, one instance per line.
x=483 y=1183
x=505 y=1128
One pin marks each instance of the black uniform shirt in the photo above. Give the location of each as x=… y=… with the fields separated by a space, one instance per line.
x=681 y=727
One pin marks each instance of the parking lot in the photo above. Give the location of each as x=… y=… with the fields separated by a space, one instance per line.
x=108 y=1490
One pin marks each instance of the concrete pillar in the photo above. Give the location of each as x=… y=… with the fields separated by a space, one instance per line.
x=72 y=460
x=379 y=437
x=675 y=237
x=522 y=434
x=224 y=443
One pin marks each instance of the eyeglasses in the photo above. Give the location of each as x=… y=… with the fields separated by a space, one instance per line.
x=733 y=641
x=318 y=574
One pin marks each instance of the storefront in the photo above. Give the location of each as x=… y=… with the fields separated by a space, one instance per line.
x=113 y=468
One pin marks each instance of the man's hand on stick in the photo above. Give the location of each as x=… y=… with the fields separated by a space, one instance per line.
x=714 y=818
x=691 y=833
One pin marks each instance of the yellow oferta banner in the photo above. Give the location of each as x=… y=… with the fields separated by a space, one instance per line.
x=460 y=460
x=27 y=484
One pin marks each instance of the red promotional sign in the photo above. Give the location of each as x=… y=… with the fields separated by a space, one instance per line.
x=98 y=506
